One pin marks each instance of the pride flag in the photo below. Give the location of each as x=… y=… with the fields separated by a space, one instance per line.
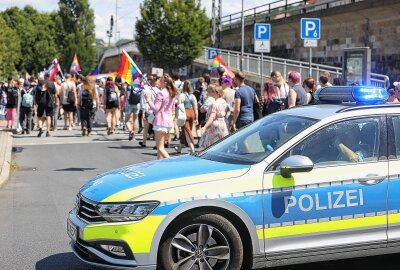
x=128 y=69
x=54 y=69
x=218 y=62
x=75 y=67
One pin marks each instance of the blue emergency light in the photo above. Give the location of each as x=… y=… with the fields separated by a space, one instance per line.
x=361 y=95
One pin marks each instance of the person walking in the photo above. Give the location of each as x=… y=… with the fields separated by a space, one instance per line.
x=280 y=82
x=12 y=102
x=162 y=107
x=44 y=98
x=111 y=99
x=68 y=101
x=133 y=97
x=271 y=98
x=26 y=108
x=215 y=127
x=245 y=96
x=229 y=97
x=54 y=118
x=148 y=116
x=297 y=94
x=189 y=101
x=310 y=87
x=88 y=104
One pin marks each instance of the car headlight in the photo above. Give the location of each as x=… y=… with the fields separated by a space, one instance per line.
x=117 y=212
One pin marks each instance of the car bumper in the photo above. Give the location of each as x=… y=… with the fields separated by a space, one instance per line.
x=91 y=252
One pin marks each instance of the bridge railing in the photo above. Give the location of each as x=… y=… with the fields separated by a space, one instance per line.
x=252 y=66
x=279 y=9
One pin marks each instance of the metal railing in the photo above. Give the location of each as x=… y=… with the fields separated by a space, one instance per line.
x=252 y=66
x=279 y=9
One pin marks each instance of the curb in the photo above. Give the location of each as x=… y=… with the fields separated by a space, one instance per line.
x=5 y=156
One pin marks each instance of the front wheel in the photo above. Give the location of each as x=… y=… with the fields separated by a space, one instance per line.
x=206 y=242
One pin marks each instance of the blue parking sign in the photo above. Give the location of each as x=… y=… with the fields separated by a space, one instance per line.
x=262 y=31
x=212 y=53
x=310 y=28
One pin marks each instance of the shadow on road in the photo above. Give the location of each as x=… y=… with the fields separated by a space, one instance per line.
x=124 y=147
x=63 y=261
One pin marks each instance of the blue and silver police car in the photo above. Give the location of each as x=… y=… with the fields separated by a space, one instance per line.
x=306 y=184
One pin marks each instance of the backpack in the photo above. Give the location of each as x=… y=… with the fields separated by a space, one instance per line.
x=86 y=100
x=12 y=96
x=27 y=99
x=112 y=97
x=134 y=96
x=71 y=97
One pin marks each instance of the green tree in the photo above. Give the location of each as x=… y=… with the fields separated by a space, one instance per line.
x=36 y=33
x=10 y=50
x=171 y=33
x=78 y=34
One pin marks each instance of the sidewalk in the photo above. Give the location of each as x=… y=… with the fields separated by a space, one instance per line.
x=5 y=156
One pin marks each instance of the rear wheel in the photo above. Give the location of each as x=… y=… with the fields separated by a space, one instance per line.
x=206 y=242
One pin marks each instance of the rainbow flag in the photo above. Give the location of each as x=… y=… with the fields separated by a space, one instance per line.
x=128 y=69
x=218 y=62
x=75 y=67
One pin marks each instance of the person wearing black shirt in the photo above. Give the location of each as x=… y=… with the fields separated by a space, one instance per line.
x=45 y=98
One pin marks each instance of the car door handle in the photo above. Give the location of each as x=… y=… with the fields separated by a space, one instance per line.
x=371 y=179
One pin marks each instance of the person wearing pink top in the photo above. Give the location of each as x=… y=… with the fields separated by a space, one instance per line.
x=162 y=107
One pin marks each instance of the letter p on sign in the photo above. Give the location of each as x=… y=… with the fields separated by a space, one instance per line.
x=310 y=28
x=262 y=31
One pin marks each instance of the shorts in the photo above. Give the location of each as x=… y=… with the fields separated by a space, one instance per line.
x=132 y=109
x=162 y=128
x=69 y=107
x=41 y=110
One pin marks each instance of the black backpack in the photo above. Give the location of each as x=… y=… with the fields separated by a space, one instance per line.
x=86 y=100
x=111 y=94
x=12 y=96
x=134 y=96
x=71 y=97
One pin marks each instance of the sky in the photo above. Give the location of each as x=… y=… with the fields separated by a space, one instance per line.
x=128 y=11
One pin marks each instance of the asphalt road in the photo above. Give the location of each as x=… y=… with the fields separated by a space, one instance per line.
x=35 y=202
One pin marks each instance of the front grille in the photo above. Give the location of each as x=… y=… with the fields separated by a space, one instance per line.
x=86 y=210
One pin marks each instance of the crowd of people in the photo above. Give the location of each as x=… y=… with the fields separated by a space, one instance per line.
x=163 y=108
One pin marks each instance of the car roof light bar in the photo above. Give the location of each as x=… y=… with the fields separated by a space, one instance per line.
x=361 y=95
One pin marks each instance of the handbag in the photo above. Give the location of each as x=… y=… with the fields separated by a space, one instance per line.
x=181 y=117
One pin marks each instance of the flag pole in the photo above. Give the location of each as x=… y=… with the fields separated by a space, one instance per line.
x=133 y=63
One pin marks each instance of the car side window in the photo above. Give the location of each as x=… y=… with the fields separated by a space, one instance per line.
x=345 y=142
x=396 y=125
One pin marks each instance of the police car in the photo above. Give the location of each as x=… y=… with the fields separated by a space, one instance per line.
x=306 y=184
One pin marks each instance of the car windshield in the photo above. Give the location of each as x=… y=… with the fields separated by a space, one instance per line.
x=255 y=142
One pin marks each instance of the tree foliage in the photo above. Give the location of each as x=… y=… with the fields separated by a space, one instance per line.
x=10 y=50
x=171 y=33
x=30 y=40
x=78 y=34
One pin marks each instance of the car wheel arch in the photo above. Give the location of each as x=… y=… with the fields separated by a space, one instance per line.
x=227 y=210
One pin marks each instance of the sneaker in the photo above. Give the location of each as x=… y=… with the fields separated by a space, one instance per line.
x=65 y=128
x=83 y=132
x=142 y=144
x=40 y=132
x=88 y=133
x=23 y=132
x=48 y=134
x=109 y=131
x=155 y=147
x=28 y=132
x=131 y=135
x=178 y=149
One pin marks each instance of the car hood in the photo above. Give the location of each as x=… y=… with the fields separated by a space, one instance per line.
x=156 y=175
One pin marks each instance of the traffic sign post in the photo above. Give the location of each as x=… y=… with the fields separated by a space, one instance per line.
x=310 y=33
x=262 y=43
x=211 y=53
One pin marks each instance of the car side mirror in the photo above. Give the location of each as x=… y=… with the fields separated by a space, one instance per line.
x=295 y=164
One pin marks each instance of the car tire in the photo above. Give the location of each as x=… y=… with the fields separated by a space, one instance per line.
x=182 y=248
